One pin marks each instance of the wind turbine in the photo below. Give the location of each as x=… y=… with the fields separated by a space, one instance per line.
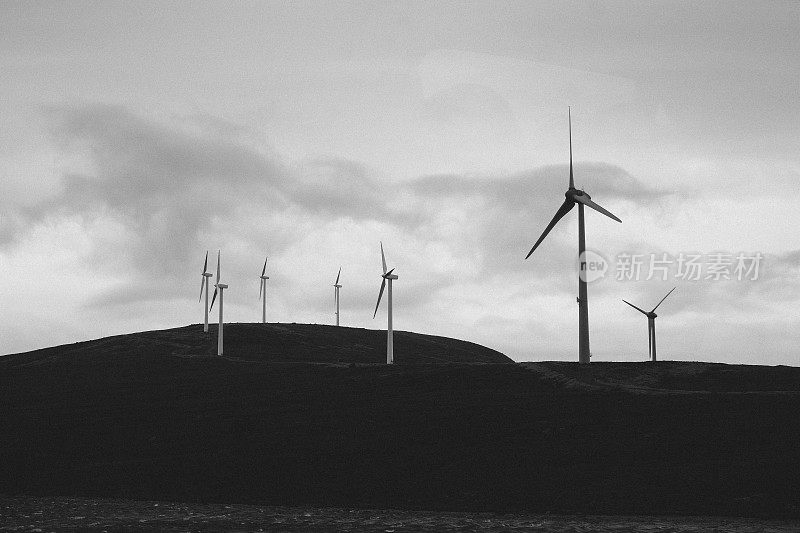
x=387 y=276
x=577 y=196
x=336 y=288
x=262 y=288
x=221 y=287
x=651 y=325
x=204 y=285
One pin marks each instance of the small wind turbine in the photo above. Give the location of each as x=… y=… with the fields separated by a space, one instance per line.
x=204 y=286
x=651 y=325
x=336 y=288
x=577 y=196
x=387 y=276
x=262 y=289
x=221 y=287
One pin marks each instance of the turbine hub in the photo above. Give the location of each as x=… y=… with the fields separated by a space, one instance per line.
x=572 y=193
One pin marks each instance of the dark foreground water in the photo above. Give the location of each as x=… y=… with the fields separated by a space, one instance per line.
x=83 y=514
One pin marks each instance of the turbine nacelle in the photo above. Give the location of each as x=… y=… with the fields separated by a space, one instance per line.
x=221 y=286
x=571 y=194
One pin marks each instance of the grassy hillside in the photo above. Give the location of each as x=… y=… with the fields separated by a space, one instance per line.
x=153 y=416
x=308 y=343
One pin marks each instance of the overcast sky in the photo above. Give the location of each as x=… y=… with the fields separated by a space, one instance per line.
x=135 y=136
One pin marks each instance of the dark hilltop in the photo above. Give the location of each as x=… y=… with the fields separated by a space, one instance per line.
x=298 y=414
x=273 y=343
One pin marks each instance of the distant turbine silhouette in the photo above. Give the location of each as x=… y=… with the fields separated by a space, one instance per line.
x=336 y=288
x=387 y=276
x=577 y=196
x=651 y=325
x=204 y=286
x=221 y=287
x=262 y=292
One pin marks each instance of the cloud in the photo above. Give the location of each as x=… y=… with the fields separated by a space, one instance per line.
x=165 y=187
x=338 y=187
x=154 y=194
x=498 y=218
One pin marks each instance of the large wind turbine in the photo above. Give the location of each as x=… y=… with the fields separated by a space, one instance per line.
x=577 y=196
x=204 y=286
x=651 y=325
x=336 y=288
x=262 y=293
x=221 y=287
x=387 y=276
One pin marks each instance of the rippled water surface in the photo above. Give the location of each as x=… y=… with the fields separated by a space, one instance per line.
x=59 y=514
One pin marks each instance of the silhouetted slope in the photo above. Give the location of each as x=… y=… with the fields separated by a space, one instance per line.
x=640 y=438
x=277 y=343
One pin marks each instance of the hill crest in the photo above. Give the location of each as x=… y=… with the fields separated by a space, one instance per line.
x=275 y=342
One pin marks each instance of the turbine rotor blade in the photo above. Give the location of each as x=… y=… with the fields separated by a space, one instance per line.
x=260 y=286
x=383 y=259
x=337 y=276
x=571 y=180
x=388 y=274
x=213 y=298
x=589 y=203
x=218 y=253
x=265 y=267
x=563 y=210
x=380 y=295
x=640 y=310
x=662 y=299
x=202 y=283
x=205 y=264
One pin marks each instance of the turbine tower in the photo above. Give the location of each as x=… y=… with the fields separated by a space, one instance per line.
x=651 y=325
x=262 y=293
x=221 y=287
x=204 y=286
x=577 y=196
x=387 y=276
x=336 y=288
